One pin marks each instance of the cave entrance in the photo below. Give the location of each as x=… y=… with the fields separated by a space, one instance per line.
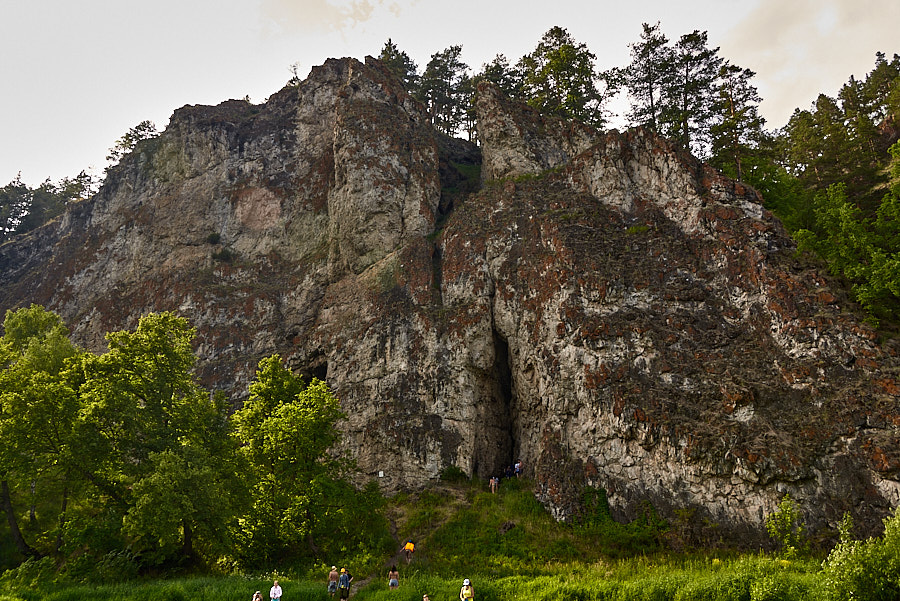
x=496 y=445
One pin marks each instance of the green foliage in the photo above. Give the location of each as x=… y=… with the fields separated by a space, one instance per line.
x=301 y=506
x=866 y=570
x=399 y=63
x=737 y=130
x=38 y=408
x=785 y=526
x=445 y=89
x=145 y=130
x=862 y=250
x=639 y=228
x=225 y=255
x=23 y=208
x=453 y=473
x=559 y=78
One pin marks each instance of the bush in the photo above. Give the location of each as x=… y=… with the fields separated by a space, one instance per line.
x=453 y=473
x=786 y=527
x=30 y=574
x=866 y=570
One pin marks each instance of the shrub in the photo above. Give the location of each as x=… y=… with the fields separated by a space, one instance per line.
x=866 y=570
x=453 y=473
x=786 y=527
x=225 y=255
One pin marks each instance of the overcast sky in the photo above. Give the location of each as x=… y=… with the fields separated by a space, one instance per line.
x=77 y=74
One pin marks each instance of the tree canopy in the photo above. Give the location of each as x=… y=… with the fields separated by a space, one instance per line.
x=125 y=451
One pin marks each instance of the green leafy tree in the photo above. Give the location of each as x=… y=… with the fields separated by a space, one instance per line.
x=145 y=130
x=302 y=507
x=154 y=444
x=37 y=411
x=399 y=63
x=785 y=526
x=865 y=570
x=864 y=250
x=559 y=78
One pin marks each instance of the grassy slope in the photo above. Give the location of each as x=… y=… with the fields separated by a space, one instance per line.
x=511 y=549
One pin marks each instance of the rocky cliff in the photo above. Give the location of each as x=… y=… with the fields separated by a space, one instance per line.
x=601 y=306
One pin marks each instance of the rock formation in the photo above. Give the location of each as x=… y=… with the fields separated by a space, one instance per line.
x=604 y=307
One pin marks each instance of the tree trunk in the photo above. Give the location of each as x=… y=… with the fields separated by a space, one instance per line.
x=187 y=547
x=62 y=519
x=23 y=547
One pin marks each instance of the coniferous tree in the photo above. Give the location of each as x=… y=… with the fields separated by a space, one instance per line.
x=440 y=89
x=689 y=93
x=399 y=63
x=559 y=78
x=503 y=75
x=738 y=127
x=647 y=77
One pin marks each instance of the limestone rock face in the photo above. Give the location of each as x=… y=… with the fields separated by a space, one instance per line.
x=605 y=308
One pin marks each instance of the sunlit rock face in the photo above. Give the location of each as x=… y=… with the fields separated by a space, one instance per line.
x=604 y=308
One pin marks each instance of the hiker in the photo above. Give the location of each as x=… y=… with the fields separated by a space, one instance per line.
x=495 y=482
x=275 y=592
x=333 y=581
x=393 y=578
x=344 y=583
x=518 y=468
x=257 y=596
x=408 y=550
x=467 y=592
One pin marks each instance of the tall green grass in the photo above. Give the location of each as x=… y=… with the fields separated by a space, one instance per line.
x=740 y=579
x=512 y=550
x=183 y=589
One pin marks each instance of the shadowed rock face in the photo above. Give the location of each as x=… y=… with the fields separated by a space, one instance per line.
x=605 y=308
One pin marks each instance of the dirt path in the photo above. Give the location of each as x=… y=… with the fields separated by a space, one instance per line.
x=398 y=515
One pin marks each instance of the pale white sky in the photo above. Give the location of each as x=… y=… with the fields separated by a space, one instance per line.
x=76 y=74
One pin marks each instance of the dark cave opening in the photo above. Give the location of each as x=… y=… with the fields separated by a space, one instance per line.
x=317 y=367
x=495 y=450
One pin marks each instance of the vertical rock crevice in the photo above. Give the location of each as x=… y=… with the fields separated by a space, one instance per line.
x=496 y=441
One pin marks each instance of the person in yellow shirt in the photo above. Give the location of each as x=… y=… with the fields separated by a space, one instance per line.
x=408 y=549
x=467 y=592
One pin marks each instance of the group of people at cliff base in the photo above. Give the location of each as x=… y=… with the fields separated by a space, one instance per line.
x=339 y=583
x=511 y=471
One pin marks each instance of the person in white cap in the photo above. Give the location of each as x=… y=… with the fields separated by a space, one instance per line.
x=467 y=592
